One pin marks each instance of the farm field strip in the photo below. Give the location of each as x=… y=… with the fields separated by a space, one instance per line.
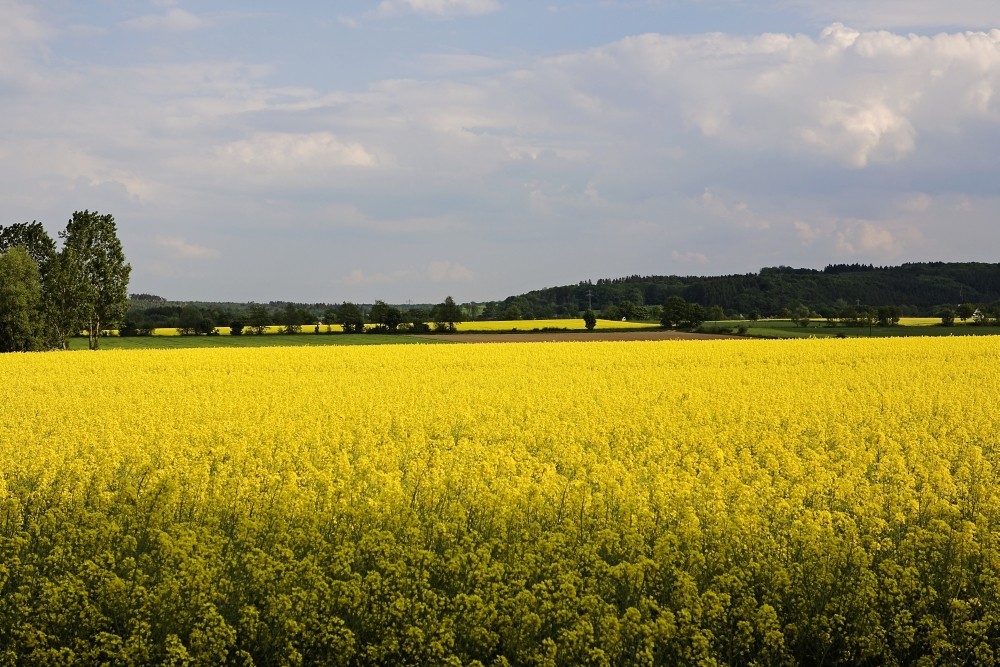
x=778 y=501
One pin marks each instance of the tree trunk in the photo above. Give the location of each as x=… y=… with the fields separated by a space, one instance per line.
x=94 y=332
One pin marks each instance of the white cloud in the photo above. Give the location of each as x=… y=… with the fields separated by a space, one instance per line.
x=281 y=151
x=448 y=272
x=806 y=232
x=172 y=20
x=858 y=134
x=867 y=238
x=180 y=248
x=439 y=8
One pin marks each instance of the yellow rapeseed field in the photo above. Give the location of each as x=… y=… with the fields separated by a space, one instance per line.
x=703 y=502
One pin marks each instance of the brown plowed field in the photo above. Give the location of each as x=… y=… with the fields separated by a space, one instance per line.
x=559 y=336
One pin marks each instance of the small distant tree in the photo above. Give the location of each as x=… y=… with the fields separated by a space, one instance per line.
x=754 y=315
x=193 y=321
x=611 y=312
x=965 y=311
x=291 y=319
x=589 y=320
x=947 y=316
x=801 y=315
x=378 y=315
x=675 y=311
x=716 y=314
x=258 y=318
x=632 y=311
x=393 y=319
x=416 y=318
x=447 y=315
x=694 y=316
x=888 y=316
x=512 y=312
x=236 y=325
x=350 y=317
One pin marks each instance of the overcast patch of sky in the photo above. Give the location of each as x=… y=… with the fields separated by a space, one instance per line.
x=481 y=148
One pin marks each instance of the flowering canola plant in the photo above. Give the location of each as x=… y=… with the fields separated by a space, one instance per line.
x=700 y=502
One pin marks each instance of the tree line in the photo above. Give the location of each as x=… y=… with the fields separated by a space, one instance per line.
x=50 y=293
x=917 y=289
x=148 y=313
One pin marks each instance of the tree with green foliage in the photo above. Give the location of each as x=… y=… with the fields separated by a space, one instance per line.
x=694 y=315
x=291 y=319
x=512 y=312
x=801 y=315
x=447 y=315
x=350 y=317
x=236 y=325
x=631 y=311
x=34 y=239
x=21 y=307
x=965 y=311
x=378 y=314
x=416 y=319
x=64 y=292
x=888 y=316
x=94 y=247
x=393 y=319
x=589 y=320
x=947 y=316
x=675 y=311
x=194 y=321
x=258 y=318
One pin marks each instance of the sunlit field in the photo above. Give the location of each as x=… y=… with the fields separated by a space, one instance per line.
x=531 y=325
x=491 y=325
x=704 y=502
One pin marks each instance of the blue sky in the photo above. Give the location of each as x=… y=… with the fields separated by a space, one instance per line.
x=406 y=150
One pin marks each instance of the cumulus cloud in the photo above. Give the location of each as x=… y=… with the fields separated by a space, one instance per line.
x=180 y=248
x=866 y=237
x=439 y=8
x=283 y=150
x=796 y=147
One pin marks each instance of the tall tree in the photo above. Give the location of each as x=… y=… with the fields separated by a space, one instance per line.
x=20 y=302
x=96 y=250
x=64 y=292
x=33 y=238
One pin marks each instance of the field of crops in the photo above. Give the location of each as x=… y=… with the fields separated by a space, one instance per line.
x=484 y=325
x=708 y=502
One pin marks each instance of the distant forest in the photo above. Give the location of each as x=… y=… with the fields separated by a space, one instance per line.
x=915 y=289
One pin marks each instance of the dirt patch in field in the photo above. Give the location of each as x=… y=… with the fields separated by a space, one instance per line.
x=560 y=336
